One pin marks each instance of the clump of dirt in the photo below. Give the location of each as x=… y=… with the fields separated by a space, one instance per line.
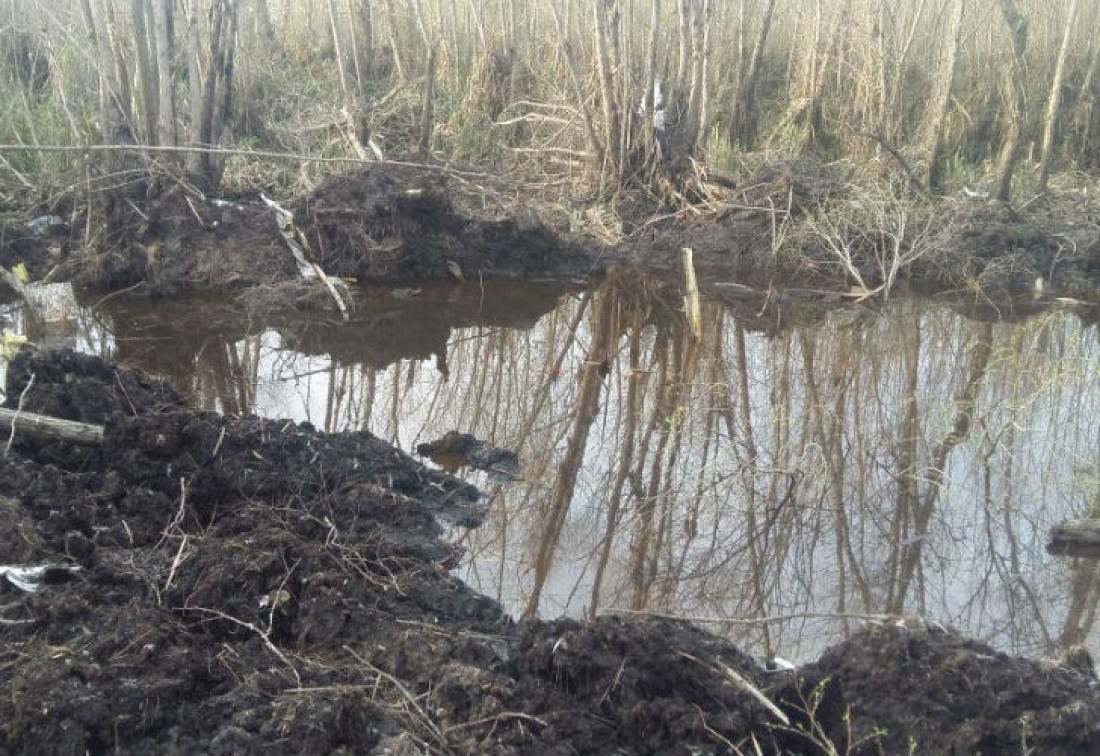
x=952 y=695
x=455 y=450
x=79 y=387
x=39 y=252
x=375 y=225
x=247 y=586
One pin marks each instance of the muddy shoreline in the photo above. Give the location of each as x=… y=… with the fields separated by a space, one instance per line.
x=389 y=225
x=225 y=585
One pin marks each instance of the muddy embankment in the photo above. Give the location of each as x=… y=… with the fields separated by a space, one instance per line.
x=247 y=586
x=375 y=225
x=793 y=223
x=779 y=229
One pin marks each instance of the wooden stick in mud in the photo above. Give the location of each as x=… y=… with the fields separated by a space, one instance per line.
x=1077 y=538
x=691 y=295
x=41 y=426
x=298 y=245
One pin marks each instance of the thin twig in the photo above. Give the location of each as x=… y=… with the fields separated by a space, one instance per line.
x=18 y=410
x=741 y=682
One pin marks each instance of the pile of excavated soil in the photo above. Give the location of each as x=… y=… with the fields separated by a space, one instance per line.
x=247 y=586
x=375 y=225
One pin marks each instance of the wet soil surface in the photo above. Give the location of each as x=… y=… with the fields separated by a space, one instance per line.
x=248 y=586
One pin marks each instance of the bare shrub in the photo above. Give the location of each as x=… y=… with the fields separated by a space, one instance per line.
x=874 y=236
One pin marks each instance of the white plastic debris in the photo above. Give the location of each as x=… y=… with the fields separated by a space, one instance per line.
x=779 y=664
x=43 y=224
x=29 y=578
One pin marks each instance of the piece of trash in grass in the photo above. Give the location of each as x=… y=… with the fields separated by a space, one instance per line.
x=29 y=578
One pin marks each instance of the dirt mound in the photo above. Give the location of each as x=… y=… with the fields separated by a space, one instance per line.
x=80 y=387
x=373 y=226
x=39 y=252
x=377 y=224
x=947 y=694
x=247 y=586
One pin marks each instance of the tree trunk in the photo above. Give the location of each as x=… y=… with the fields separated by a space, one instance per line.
x=391 y=22
x=109 y=113
x=941 y=96
x=363 y=37
x=683 y=11
x=602 y=10
x=424 y=143
x=651 y=64
x=265 y=28
x=1086 y=100
x=339 y=46
x=695 y=93
x=743 y=116
x=1055 y=100
x=1015 y=101
x=166 y=107
x=140 y=14
x=194 y=82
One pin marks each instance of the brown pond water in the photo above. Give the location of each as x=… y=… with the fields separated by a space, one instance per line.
x=862 y=461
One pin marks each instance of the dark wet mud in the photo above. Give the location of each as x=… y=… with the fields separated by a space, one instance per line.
x=376 y=225
x=248 y=586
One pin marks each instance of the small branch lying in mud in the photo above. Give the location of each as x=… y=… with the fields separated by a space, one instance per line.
x=18 y=411
x=741 y=682
x=422 y=716
x=751 y=620
x=41 y=426
x=265 y=637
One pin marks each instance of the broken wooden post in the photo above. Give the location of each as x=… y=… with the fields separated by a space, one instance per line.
x=691 y=295
x=1077 y=538
x=52 y=428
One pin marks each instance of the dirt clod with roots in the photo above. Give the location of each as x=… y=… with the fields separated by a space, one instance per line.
x=246 y=586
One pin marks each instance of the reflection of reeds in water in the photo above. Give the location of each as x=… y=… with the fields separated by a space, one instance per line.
x=909 y=460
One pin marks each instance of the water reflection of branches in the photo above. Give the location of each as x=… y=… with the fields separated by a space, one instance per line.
x=863 y=465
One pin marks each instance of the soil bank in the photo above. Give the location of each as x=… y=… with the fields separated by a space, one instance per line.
x=244 y=586
x=386 y=224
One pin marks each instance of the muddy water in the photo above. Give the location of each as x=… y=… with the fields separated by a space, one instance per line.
x=783 y=478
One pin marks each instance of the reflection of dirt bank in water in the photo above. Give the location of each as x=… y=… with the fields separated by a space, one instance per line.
x=256 y=587
x=386 y=324
x=378 y=224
